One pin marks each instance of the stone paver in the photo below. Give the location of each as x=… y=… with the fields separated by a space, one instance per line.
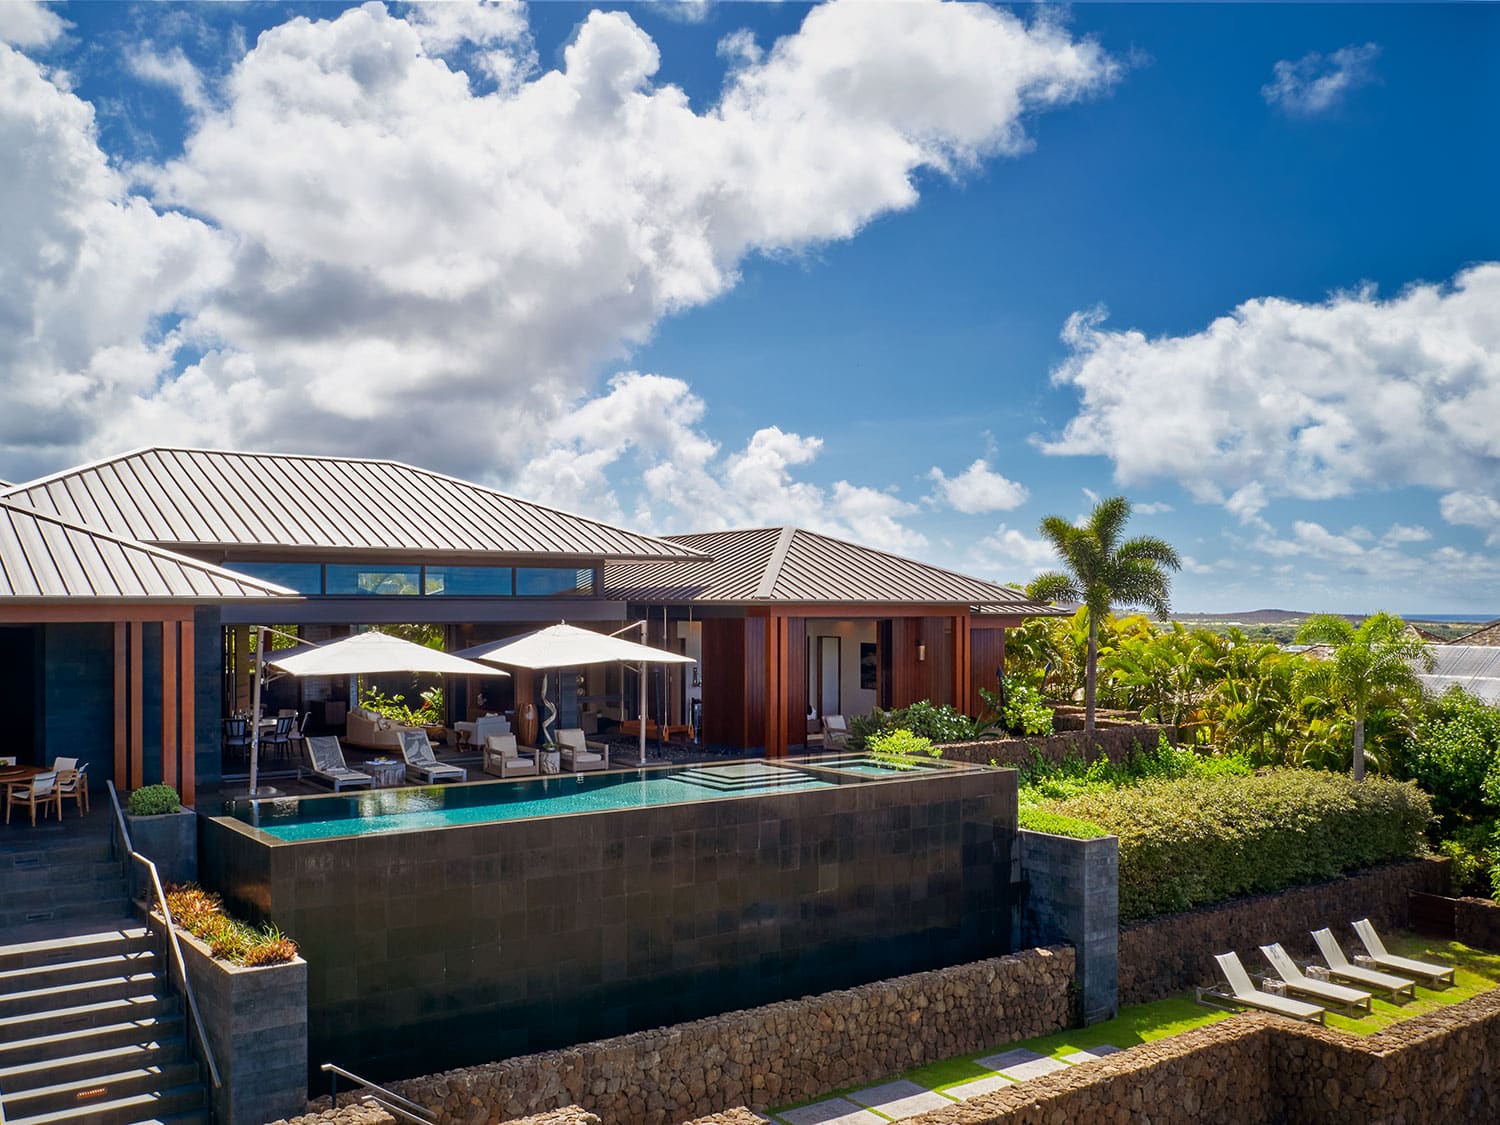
x=900 y=1098
x=1035 y=1068
x=979 y=1086
x=1088 y=1054
x=834 y=1111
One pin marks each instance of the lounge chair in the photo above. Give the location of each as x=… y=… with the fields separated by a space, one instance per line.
x=422 y=764
x=1243 y=991
x=1340 y=967
x=325 y=758
x=835 y=731
x=1325 y=991
x=580 y=755
x=1434 y=974
x=502 y=759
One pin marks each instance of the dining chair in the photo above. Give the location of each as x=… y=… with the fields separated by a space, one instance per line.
x=279 y=741
x=237 y=736
x=10 y=761
x=73 y=785
x=40 y=790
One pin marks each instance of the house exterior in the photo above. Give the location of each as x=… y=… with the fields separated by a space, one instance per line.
x=783 y=622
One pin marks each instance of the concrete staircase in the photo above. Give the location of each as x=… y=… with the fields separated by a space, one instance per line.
x=91 y=1029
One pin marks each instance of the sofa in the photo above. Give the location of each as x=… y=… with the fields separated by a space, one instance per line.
x=374 y=732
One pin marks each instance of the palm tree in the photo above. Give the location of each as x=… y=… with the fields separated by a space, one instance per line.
x=1102 y=571
x=1368 y=666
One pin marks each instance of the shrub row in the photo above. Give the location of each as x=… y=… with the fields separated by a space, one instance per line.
x=201 y=914
x=1197 y=840
x=1055 y=824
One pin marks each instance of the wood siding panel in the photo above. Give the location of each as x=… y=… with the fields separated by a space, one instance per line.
x=796 y=681
x=987 y=649
x=169 y=698
x=756 y=697
x=122 y=702
x=137 y=774
x=188 y=695
x=723 y=675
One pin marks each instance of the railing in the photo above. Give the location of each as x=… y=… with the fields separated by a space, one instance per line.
x=161 y=898
x=388 y=1100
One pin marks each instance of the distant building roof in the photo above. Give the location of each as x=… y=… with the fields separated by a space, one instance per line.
x=1475 y=668
x=200 y=498
x=43 y=557
x=1486 y=636
x=794 y=566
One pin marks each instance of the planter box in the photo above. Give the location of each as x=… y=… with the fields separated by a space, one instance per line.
x=255 y=1020
x=1073 y=895
x=170 y=841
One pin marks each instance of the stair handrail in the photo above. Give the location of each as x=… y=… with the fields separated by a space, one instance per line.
x=386 y=1099
x=161 y=898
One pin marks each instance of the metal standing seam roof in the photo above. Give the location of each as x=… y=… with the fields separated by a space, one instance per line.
x=1475 y=668
x=1486 y=636
x=44 y=557
x=795 y=566
x=204 y=498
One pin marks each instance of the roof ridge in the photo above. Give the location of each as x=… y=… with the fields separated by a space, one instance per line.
x=1020 y=595
x=772 y=574
x=151 y=549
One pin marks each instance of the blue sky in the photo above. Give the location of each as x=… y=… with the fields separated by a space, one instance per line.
x=831 y=282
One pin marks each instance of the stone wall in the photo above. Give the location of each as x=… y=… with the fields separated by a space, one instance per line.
x=1169 y=954
x=779 y=1053
x=1476 y=922
x=1119 y=740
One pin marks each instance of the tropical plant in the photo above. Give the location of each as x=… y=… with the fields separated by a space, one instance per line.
x=900 y=749
x=1021 y=710
x=1101 y=571
x=939 y=723
x=395 y=708
x=1372 y=666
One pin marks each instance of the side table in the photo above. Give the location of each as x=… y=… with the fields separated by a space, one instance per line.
x=387 y=773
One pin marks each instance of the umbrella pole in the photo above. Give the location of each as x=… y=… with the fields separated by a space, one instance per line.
x=643 y=712
x=260 y=667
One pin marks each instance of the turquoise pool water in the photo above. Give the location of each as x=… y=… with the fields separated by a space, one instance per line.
x=415 y=809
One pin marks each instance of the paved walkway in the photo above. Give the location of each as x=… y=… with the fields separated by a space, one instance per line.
x=900 y=1099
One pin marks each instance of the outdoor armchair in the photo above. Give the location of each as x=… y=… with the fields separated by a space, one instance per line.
x=40 y=790
x=1242 y=991
x=835 y=731
x=502 y=759
x=486 y=725
x=580 y=755
x=1341 y=968
x=1325 y=991
x=422 y=763
x=325 y=758
x=1432 y=973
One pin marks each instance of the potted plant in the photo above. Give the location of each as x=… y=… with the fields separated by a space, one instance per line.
x=163 y=831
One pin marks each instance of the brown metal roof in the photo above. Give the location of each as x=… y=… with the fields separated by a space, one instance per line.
x=199 y=498
x=1486 y=636
x=790 y=565
x=43 y=557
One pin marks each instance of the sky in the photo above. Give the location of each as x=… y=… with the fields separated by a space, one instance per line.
x=914 y=273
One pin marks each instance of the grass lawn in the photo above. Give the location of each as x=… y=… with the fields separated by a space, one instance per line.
x=1478 y=971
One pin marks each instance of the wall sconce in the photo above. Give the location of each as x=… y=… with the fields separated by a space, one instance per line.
x=921 y=651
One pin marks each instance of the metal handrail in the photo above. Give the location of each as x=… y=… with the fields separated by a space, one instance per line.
x=387 y=1099
x=161 y=897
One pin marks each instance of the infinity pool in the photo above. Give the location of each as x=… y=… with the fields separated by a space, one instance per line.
x=408 y=810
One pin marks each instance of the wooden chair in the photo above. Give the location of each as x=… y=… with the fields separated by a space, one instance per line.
x=41 y=790
x=72 y=784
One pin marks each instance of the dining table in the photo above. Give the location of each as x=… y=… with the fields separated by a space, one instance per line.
x=17 y=775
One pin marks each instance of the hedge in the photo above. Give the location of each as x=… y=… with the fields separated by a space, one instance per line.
x=1198 y=840
x=1055 y=824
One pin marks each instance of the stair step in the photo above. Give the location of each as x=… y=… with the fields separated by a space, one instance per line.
x=74 y=1067
x=46 y=946
x=54 y=854
x=110 y=967
x=38 y=1001
x=69 y=890
x=80 y=1019
x=38 y=1048
x=48 y=876
x=130 y=1110
x=91 y=1090
x=52 y=910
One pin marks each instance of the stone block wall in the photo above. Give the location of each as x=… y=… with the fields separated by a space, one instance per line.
x=1072 y=894
x=1119 y=740
x=1169 y=954
x=1476 y=922
x=779 y=1053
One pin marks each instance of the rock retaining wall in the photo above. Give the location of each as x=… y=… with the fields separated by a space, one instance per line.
x=1476 y=922
x=779 y=1053
x=1166 y=955
x=1119 y=740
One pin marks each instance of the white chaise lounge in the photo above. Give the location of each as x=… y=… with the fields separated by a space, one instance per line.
x=1242 y=991
x=422 y=763
x=325 y=760
x=1434 y=974
x=1321 y=990
x=1341 y=968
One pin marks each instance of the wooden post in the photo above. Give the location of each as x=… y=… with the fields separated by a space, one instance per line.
x=169 y=697
x=137 y=773
x=188 y=682
x=776 y=686
x=122 y=703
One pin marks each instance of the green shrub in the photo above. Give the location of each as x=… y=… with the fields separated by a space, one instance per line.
x=201 y=914
x=1044 y=780
x=1474 y=854
x=900 y=748
x=1040 y=820
x=1454 y=755
x=940 y=724
x=153 y=800
x=1195 y=840
x=1024 y=711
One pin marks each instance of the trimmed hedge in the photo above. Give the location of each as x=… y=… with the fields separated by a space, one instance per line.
x=1198 y=840
x=1055 y=824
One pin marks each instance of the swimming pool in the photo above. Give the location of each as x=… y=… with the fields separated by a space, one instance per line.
x=294 y=819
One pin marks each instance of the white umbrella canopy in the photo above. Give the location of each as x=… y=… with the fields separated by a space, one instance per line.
x=371 y=654
x=567 y=646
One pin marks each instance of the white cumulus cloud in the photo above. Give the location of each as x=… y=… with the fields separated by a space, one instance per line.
x=29 y=25
x=977 y=489
x=1318 y=83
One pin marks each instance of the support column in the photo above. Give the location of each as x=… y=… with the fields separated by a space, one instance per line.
x=169 y=701
x=122 y=703
x=188 y=681
x=137 y=773
x=963 y=699
x=776 y=687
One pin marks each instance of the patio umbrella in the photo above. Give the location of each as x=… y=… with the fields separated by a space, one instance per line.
x=363 y=654
x=567 y=646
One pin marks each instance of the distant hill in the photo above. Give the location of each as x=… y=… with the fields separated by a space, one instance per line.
x=1256 y=616
x=1281 y=625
